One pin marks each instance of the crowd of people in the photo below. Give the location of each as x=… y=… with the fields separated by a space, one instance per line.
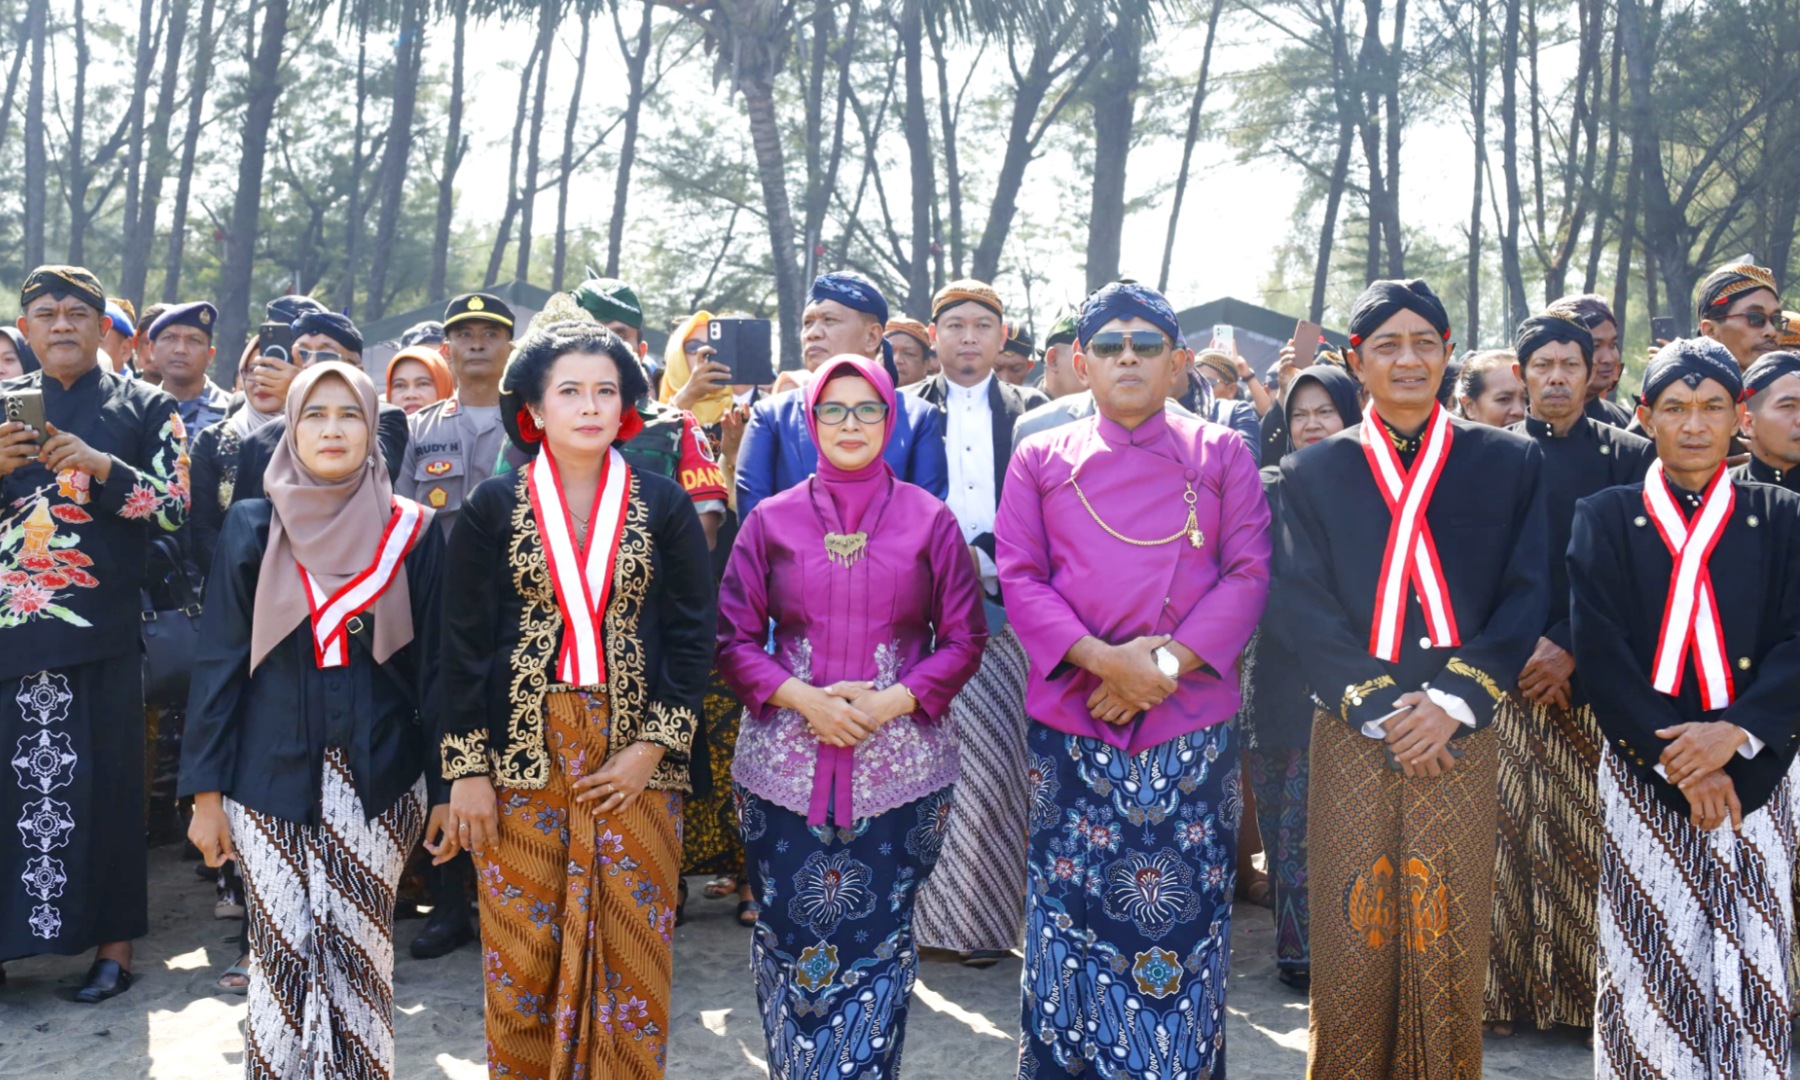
x=939 y=642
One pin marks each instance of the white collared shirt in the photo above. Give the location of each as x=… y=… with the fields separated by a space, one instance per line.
x=969 y=448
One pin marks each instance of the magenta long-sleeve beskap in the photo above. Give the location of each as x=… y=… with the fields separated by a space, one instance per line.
x=1066 y=575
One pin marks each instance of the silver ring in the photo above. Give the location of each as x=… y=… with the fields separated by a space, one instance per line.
x=464 y=825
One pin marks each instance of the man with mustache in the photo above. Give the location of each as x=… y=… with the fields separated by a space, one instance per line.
x=86 y=488
x=1549 y=742
x=1685 y=617
x=1413 y=548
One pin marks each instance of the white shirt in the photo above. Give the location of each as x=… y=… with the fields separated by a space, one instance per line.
x=969 y=447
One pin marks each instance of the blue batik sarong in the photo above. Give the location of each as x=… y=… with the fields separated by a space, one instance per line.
x=1128 y=907
x=832 y=953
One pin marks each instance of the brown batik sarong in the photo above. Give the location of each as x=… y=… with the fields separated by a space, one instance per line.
x=1401 y=871
x=1546 y=866
x=576 y=912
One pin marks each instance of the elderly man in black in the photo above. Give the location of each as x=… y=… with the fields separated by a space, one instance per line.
x=1412 y=548
x=82 y=497
x=1686 y=620
x=1541 y=971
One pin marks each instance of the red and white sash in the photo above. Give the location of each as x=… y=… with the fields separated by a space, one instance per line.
x=1691 y=612
x=331 y=613
x=1411 y=556
x=583 y=577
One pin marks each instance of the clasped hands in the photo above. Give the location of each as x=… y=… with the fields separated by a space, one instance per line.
x=1130 y=681
x=1419 y=735
x=1694 y=761
x=846 y=712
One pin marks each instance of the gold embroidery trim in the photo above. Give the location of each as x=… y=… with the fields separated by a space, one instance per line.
x=1353 y=695
x=465 y=755
x=670 y=727
x=626 y=685
x=1476 y=675
x=526 y=765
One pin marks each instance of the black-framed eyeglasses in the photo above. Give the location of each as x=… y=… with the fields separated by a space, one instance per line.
x=833 y=413
x=1756 y=320
x=1146 y=344
x=308 y=357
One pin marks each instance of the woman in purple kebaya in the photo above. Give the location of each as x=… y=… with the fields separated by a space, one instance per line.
x=845 y=761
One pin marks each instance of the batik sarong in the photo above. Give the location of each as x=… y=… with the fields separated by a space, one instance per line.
x=1128 y=907
x=320 y=927
x=576 y=913
x=1695 y=934
x=974 y=898
x=832 y=955
x=73 y=865
x=1546 y=865
x=1278 y=777
x=710 y=842
x=1401 y=872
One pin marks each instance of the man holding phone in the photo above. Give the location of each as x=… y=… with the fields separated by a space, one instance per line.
x=98 y=472
x=317 y=336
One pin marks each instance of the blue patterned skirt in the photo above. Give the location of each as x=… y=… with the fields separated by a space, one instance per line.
x=833 y=954
x=1278 y=776
x=1128 y=908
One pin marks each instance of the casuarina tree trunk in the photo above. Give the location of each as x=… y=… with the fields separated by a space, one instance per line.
x=261 y=92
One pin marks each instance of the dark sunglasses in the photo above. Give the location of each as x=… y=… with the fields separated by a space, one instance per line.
x=692 y=346
x=1756 y=320
x=832 y=413
x=1146 y=344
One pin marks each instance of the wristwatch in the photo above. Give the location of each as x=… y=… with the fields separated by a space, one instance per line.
x=1166 y=662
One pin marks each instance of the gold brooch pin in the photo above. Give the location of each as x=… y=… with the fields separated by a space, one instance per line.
x=846 y=549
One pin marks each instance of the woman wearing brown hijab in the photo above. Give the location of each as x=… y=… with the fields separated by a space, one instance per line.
x=314 y=690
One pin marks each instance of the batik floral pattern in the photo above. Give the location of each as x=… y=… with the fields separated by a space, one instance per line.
x=834 y=968
x=44 y=760
x=1128 y=908
x=926 y=840
x=829 y=888
x=44 y=698
x=41 y=561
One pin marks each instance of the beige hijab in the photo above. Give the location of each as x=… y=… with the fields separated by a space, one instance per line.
x=330 y=527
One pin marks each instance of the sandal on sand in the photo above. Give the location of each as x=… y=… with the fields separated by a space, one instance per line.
x=982 y=958
x=748 y=912
x=236 y=978
x=721 y=887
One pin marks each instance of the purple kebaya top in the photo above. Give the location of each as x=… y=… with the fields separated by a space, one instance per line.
x=907 y=609
x=1066 y=577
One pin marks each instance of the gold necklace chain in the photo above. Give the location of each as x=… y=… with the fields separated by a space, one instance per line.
x=1191 y=530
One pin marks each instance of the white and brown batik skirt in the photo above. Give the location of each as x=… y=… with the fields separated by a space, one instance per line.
x=320 y=921
x=1695 y=936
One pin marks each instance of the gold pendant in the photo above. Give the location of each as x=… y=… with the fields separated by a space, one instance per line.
x=1194 y=535
x=846 y=548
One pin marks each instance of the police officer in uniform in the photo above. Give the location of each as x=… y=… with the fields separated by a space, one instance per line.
x=456 y=441
x=454 y=446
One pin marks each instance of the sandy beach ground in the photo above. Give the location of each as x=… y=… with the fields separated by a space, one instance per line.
x=173 y=1026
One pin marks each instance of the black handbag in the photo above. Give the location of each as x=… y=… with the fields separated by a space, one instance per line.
x=170 y=635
